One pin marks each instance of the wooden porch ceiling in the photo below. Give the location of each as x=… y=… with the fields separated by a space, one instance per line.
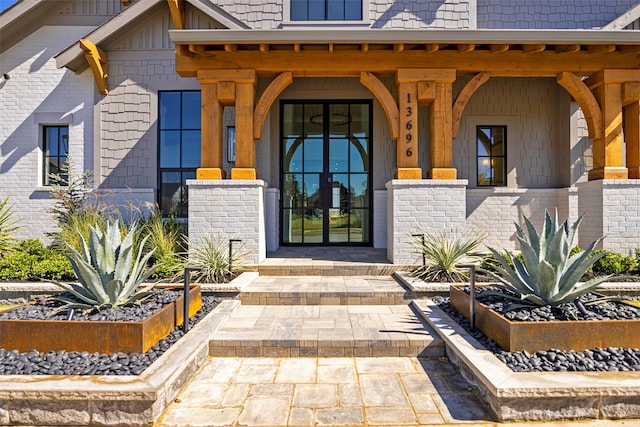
x=501 y=53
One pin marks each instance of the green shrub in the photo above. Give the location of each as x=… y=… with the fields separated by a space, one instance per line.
x=30 y=260
x=614 y=263
x=444 y=252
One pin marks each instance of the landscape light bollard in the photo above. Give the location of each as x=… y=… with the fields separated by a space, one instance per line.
x=424 y=258
x=472 y=299
x=231 y=254
x=187 y=286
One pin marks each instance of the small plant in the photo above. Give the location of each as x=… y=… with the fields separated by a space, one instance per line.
x=548 y=273
x=212 y=258
x=30 y=260
x=613 y=263
x=443 y=253
x=167 y=242
x=7 y=226
x=106 y=271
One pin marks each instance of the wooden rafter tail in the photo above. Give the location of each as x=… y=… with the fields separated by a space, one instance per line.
x=97 y=59
x=125 y=3
x=176 y=7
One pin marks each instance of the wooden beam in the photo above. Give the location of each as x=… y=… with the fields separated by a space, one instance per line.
x=533 y=48
x=601 y=48
x=98 y=61
x=497 y=48
x=426 y=92
x=512 y=63
x=296 y=47
x=176 y=7
x=227 y=93
x=632 y=138
x=197 y=49
x=231 y=48
x=611 y=75
x=382 y=94
x=408 y=75
x=463 y=99
x=267 y=99
x=630 y=92
x=217 y=75
x=264 y=48
x=585 y=99
x=466 y=47
x=573 y=48
x=398 y=47
x=364 y=47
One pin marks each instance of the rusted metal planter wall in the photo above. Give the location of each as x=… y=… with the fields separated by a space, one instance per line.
x=101 y=337
x=536 y=336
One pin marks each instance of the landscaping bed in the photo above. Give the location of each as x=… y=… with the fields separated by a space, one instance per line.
x=64 y=362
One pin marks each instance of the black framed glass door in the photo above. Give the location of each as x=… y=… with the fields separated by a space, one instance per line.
x=326 y=172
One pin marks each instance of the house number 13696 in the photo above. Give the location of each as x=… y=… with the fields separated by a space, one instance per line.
x=408 y=126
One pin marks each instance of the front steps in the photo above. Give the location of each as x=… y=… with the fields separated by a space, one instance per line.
x=337 y=316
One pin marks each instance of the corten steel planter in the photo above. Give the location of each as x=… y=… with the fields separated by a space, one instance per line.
x=536 y=336
x=96 y=336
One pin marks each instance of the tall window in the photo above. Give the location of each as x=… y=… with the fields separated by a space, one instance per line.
x=55 y=146
x=492 y=155
x=326 y=10
x=179 y=148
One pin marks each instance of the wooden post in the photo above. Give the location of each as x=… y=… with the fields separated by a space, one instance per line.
x=632 y=137
x=211 y=139
x=407 y=144
x=607 y=150
x=245 y=144
x=442 y=134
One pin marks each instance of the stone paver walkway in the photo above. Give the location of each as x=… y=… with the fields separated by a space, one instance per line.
x=324 y=391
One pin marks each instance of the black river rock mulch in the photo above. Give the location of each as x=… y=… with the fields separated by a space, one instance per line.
x=13 y=362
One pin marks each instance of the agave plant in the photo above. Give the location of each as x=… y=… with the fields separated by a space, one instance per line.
x=106 y=271
x=7 y=226
x=549 y=272
x=444 y=253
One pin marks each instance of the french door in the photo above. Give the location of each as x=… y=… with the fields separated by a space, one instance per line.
x=326 y=172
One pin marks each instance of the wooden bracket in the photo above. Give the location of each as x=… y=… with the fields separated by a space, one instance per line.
x=382 y=94
x=587 y=101
x=463 y=98
x=177 y=13
x=97 y=59
x=267 y=99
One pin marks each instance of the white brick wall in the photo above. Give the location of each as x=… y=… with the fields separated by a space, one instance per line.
x=415 y=206
x=495 y=210
x=612 y=209
x=39 y=93
x=230 y=209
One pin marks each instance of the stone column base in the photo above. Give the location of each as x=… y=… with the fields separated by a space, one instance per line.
x=415 y=206
x=229 y=209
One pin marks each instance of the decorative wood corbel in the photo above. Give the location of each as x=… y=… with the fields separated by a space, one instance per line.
x=97 y=59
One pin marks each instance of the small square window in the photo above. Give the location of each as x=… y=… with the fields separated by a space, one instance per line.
x=55 y=147
x=491 y=155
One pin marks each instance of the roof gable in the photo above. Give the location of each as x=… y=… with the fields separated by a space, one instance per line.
x=628 y=20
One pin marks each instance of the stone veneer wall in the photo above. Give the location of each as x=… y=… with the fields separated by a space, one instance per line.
x=415 y=206
x=611 y=209
x=229 y=209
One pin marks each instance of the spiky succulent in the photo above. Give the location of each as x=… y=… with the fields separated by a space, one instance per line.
x=106 y=271
x=548 y=274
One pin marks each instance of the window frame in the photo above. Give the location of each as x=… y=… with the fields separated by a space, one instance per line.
x=491 y=156
x=180 y=169
x=44 y=176
x=287 y=21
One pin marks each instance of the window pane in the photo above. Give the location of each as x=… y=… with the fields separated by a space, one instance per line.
x=170 y=149
x=339 y=119
x=313 y=155
x=484 y=141
x=484 y=171
x=191 y=149
x=292 y=225
x=359 y=191
x=292 y=120
x=51 y=142
x=293 y=191
x=497 y=141
x=335 y=10
x=63 y=148
x=298 y=10
x=353 y=10
x=313 y=120
x=359 y=114
x=170 y=192
x=293 y=155
x=498 y=171
x=191 y=110
x=339 y=155
x=359 y=153
x=169 y=110
x=316 y=10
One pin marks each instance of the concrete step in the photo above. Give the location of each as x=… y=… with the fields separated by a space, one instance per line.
x=314 y=290
x=326 y=268
x=325 y=331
